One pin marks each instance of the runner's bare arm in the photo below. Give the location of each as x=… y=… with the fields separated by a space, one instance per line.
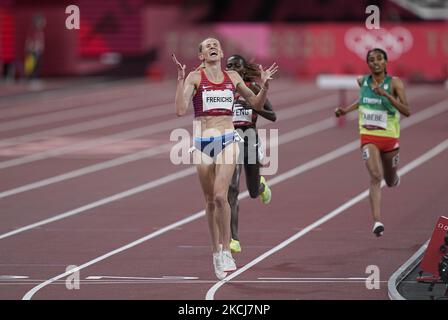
x=267 y=112
x=340 y=111
x=343 y=111
x=401 y=104
x=185 y=88
x=256 y=101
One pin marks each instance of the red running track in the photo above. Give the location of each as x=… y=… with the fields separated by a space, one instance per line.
x=73 y=204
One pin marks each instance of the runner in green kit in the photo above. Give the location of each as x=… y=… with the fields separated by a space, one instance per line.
x=381 y=100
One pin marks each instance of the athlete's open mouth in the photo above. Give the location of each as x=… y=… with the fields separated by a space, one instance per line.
x=213 y=53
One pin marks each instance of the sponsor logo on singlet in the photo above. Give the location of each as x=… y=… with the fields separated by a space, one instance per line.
x=368 y=100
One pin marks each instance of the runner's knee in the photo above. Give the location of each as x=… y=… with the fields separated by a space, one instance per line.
x=233 y=194
x=375 y=176
x=210 y=205
x=391 y=181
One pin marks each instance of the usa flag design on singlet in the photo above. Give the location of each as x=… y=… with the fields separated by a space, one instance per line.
x=214 y=99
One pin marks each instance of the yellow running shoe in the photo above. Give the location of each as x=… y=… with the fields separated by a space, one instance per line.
x=266 y=195
x=235 y=246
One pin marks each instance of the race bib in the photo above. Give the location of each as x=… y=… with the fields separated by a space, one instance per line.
x=241 y=114
x=217 y=99
x=374 y=118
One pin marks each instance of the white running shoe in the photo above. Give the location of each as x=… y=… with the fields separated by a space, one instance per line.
x=218 y=263
x=228 y=261
x=378 y=229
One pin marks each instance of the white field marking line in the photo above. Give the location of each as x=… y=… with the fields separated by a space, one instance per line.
x=309 y=106
x=115 y=197
x=77 y=101
x=134 y=133
x=189 y=282
x=122 y=118
x=183 y=173
x=95 y=109
x=152 y=184
x=88 y=108
x=116 y=137
x=287 y=114
x=143 y=278
x=179 y=223
x=313 y=163
x=125 y=135
x=323 y=279
x=89 y=169
x=93 y=143
x=13 y=106
x=406 y=169
x=93 y=86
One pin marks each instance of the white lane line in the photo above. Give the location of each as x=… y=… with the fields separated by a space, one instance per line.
x=296 y=111
x=93 y=143
x=115 y=197
x=423 y=115
x=142 y=278
x=286 y=114
x=21 y=106
x=319 y=279
x=121 y=195
x=122 y=118
x=189 y=282
x=86 y=110
x=94 y=108
x=89 y=169
x=179 y=223
x=139 y=132
x=406 y=169
x=178 y=175
x=117 y=137
x=6 y=277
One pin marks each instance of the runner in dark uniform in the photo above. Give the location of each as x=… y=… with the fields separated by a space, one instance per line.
x=244 y=121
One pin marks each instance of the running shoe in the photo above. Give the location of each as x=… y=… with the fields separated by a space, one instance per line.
x=235 y=246
x=266 y=195
x=218 y=263
x=378 y=229
x=228 y=262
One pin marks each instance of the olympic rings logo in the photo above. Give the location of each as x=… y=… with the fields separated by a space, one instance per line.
x=395 y=41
